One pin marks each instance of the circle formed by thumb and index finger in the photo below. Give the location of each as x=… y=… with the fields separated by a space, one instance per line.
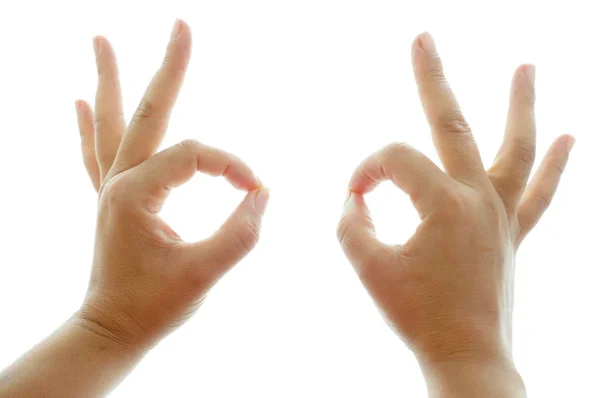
x=154 y=178
x=409 y=170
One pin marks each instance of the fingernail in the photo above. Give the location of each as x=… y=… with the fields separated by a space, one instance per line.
x=261 y=199
x=349 y=204
x=77 y=107
x=530 y=73
x=427 y=44
x=96 y=45
x=570 y=143
x=348 y=196
x=176 y=30
x=259 y=181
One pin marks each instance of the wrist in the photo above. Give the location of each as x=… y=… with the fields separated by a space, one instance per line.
x=112 y=331
x=473 y=377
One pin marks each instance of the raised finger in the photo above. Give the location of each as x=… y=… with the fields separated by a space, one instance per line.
x=85 y=121
x=541 y=189
x=109 y=122
x=149 y=123
x=451 y=133
x=514 y=161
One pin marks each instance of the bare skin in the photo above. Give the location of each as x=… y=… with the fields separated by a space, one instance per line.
x=448 y=290
x=145 y=280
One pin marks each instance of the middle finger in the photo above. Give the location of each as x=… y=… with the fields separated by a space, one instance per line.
x=451 y=133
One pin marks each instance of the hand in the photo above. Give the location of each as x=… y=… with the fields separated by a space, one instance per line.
x=145 y=280
x=448 y=291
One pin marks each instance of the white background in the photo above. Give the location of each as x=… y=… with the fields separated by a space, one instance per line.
x=301 y=90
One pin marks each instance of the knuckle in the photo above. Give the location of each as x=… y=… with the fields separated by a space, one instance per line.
x=435 y=72
x=115 y=190
x=396 y=149
x=144 y=110
x=350 y=239
x=525 y=152
x=343 y=228
x=175 y=61
x=247 y=237
x=454 y=123
x=104 y=120
x=452 y=201
x=190 y=144
x=493 y=206
x=363 y=256
x=391 y=153
x=544 y=201
x=513 y=183
x=558 y=167
x=100 y=122
x=528 y=101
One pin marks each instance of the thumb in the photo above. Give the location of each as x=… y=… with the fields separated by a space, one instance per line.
x=236 y=237
x=356 y=233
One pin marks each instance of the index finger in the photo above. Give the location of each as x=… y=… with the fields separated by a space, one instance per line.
x=177 y=164
x=408 y=169
x=151 y=118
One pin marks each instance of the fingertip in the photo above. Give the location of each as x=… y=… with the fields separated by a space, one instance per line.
x=354 y=200
x=96 y=41
x=569 y=141
x=240 y=175
x=181 y=32
x=563 y=144
x=78 y=106
x=179 y=47
x=529 y=72
x=426 y=43
x=84 y=110
x=349 y=203
x=185 y=28
x=176 y=29
x=105 y=55
x=523 y=81
x=368 y=174
x=258 y=184
x=261 y=199
x=84 y=117
x=348 y=196
x=416 y=46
